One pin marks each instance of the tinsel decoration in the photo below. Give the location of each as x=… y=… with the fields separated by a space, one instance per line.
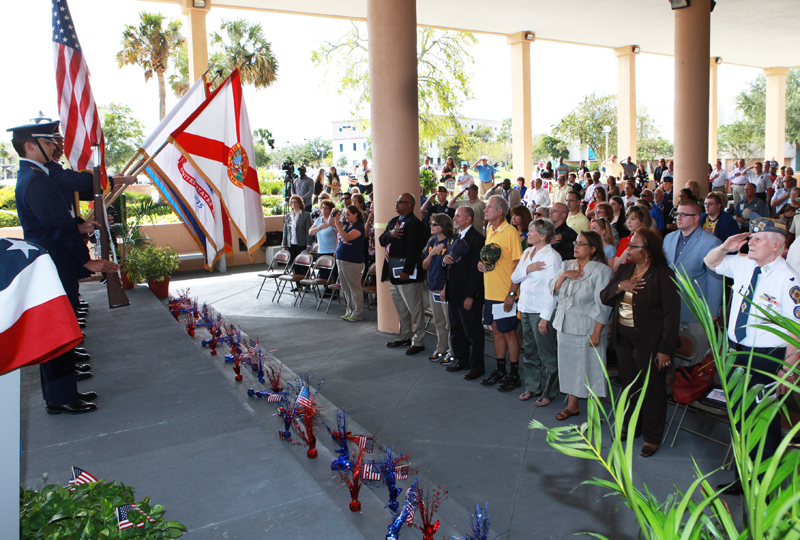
x=478 y=524
x=273 y=375
x=427 y=505
x=407 y=515
x=388 y=472
x=306 y=413
x=181 y=303
x=353 y=479
x=342 y=463
x=287 y=415
x=215 y=329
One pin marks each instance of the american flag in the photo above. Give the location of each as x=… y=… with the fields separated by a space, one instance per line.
x=370 y=472
x=253 y=349
x=122 y=516
x=274 y=397
x=410 y=506
x=401 y=472
x=304 y=399
x=79 y=476
x=366 y=443
x=76 y=106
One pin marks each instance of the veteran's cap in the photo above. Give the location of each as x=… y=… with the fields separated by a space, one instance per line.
x=768 y=225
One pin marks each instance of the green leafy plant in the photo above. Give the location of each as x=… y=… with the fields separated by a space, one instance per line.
x=427 y=181
x=89 y=512
x=8 y=199
x=771 y=486
x=270 y=187
x=152 y=263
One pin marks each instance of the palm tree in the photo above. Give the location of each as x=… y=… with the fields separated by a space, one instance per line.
x=149 y=45
x=244 y=46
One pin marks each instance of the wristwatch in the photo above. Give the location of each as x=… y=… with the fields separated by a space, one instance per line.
x=512 y=293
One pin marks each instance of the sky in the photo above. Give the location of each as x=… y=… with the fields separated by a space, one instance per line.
x=305 y=99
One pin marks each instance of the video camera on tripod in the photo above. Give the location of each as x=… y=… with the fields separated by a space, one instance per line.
x=288 y=178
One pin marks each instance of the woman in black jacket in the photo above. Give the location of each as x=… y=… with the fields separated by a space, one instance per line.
x=644 y=329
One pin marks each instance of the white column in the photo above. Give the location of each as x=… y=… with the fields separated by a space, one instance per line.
x=713 y=121
x=392 y=28
x=521 y=123
x=197 y=40
x=9 y=455
x=775 y=125
x=626 y=102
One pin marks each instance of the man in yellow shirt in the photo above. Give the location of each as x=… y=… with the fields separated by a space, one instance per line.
x=500 y=291
x=575 y=219
x=559 y=190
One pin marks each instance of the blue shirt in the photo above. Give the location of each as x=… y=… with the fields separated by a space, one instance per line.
x=326 y=238
x=352 y=251
x=658 y=217
x=485 y=172
x=436 y=272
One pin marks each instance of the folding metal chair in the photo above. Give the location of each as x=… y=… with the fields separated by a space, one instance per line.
x=325 y=262
x=304 y=259
x=370 y=286
x=280 y=258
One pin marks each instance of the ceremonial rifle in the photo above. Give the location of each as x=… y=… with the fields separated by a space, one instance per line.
x=116 y=296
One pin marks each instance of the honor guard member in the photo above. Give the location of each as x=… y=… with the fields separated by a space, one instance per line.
x=762 y=278
x=45 y=221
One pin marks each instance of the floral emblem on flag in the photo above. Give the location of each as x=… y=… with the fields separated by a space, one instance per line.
x=237 y=165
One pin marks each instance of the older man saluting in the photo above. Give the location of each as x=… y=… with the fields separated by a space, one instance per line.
x=485 y=174
x=762 y=278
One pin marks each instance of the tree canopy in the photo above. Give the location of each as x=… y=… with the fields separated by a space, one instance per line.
x=584 y=125
x=314 y=152
x=149 y=46
x=443 y=64
x=742 y=139
x=752 y=102
x=123 y=134
x=548 y=146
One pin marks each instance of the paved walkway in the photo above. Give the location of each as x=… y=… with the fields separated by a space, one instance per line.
x=175 y=425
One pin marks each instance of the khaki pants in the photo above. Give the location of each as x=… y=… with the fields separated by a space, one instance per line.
x=483 y=187
x=350 y=278
x=738 y=194
x=441 y=320
x=408 y=302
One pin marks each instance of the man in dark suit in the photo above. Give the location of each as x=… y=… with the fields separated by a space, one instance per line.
x=464 y=294
x=45 y=221
x=404 y=239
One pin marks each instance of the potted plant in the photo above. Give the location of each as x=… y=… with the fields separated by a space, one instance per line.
x=130 y=238
x=153 y=264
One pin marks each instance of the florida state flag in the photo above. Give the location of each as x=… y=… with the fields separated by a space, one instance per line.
x=217 y=141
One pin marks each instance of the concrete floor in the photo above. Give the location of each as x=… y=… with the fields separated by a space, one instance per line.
x=175 y=425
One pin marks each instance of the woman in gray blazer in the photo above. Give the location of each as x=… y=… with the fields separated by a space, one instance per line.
x=296 y=224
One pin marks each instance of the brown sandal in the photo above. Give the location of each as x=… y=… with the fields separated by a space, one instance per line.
x=566 y=413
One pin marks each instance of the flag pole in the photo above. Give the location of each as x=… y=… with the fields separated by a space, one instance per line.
x=108 y=202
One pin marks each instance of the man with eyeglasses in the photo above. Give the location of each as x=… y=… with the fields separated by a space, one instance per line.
x=404 y=239
x=715 y=221
x=565 y=236
x=685 y=250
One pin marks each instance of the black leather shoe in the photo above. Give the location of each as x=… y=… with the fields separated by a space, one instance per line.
x=734 y=488
x=454 y=368
x=87 y=396
x=80 y=356
x=80 y=350
x=509 y=383
x=493 y=378
x=83 y=375
x=83 y=368
x=415 y=349
x=401 y=343
x=76 y=407
x=472 y=375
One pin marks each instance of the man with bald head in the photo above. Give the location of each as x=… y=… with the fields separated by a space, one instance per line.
x=565 y=236
x=404 y=239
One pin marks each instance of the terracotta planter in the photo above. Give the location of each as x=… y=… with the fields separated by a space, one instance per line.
x=159 y=288
x=126 y=283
